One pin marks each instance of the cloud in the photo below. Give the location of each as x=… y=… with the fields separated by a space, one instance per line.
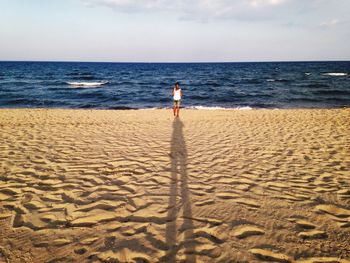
x=196 y=9
x=330 y=23
x=257 y=3
x=287 y=13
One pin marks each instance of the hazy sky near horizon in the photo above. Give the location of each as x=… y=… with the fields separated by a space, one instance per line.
x=174 y=30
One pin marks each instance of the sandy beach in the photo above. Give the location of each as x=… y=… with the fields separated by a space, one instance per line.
x=143 y=186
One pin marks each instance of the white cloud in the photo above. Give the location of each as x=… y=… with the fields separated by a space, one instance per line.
x=195 y=9
x=257 y=3
x=330 y=23
x=283 y=12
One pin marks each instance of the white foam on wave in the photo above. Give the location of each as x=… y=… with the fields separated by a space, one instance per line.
x=219 y=108
x=270 y=80
x=335 y=74
x=307 y=73
x=155 y=108
x=87 y=84
x=207 y=108
x=244 y=108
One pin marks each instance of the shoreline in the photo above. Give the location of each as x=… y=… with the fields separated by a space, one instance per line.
x=201 y=108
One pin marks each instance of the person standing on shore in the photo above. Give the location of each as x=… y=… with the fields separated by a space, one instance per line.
x=177 y=95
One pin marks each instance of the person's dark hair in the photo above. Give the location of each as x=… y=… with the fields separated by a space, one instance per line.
x=177 y=83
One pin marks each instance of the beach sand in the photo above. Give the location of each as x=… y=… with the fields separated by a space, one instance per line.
x=143 y=186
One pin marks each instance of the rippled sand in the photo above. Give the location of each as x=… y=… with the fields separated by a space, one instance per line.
x=141 y=186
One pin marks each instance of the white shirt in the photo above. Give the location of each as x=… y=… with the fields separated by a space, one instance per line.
x=177 y=94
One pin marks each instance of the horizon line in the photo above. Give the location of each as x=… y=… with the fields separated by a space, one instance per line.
x=172 y=62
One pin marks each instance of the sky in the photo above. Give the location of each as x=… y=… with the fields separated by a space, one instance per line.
x=174 y=30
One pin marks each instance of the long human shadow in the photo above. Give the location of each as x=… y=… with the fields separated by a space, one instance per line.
x=179 y=185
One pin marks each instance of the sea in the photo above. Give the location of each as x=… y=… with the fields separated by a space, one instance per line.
x=248 y=85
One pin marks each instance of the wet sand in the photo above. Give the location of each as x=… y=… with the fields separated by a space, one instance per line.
x=143 y=186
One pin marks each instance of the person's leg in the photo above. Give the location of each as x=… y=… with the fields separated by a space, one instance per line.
x=174 y=108
x=178 y=108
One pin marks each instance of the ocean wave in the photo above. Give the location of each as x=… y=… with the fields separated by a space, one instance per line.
x=79 y=73
x=85 y=77
x=37 y=83
x=332 y=92
x=31 y=102
x=87 y=84
x=199 y=97
x=252 y=81
x=305 y=99
x=17 y=83
x=335 y=74
x=317 y=85
x=213 y=84
x=53 y=83
x=122 y=108
x=21 y=101
x=97 y=96
x=278 y=80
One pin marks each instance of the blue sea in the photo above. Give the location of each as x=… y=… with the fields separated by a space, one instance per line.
x=149 y=85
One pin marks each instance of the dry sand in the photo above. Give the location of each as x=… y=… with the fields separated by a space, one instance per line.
x=141 y=186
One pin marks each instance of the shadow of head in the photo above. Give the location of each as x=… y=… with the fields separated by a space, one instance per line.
x=177 y=123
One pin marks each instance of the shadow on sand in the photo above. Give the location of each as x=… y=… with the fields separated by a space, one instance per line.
x=179 y=186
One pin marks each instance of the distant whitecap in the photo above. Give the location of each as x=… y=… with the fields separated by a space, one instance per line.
x=87 y=84
x=335 y=74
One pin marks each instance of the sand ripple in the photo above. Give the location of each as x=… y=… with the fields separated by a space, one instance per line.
x=137 y=186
